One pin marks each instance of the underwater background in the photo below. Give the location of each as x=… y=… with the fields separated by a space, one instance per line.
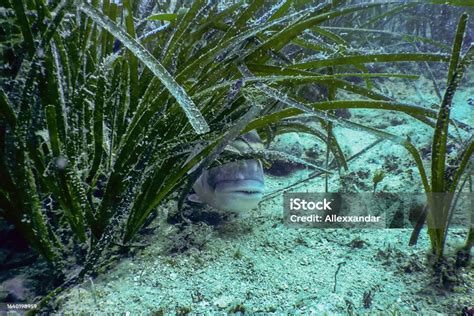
x=149 y=149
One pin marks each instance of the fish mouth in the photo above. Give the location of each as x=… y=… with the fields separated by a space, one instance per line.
x=245 y=188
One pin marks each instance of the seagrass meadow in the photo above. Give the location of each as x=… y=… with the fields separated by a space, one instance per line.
x=112 y=112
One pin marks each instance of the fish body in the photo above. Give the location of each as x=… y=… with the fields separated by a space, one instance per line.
x=236 y=186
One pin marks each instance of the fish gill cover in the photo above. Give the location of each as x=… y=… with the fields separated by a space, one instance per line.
x=110 y=111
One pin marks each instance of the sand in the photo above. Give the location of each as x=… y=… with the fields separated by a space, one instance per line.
x=253 y=263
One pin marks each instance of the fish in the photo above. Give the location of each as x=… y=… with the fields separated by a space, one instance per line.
x=236 y=186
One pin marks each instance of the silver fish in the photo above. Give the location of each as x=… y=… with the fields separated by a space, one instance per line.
x=236 y=186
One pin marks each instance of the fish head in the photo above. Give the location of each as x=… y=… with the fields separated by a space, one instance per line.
x=235 y=186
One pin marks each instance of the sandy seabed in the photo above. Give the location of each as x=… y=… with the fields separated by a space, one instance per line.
x=256 y=264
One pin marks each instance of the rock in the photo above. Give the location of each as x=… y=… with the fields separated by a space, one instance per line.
x=313 y=93
x=289 y=143
x=343 y=113
x=3 y=294
x=283 y=168
x=223 y=301
x=14 y=290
